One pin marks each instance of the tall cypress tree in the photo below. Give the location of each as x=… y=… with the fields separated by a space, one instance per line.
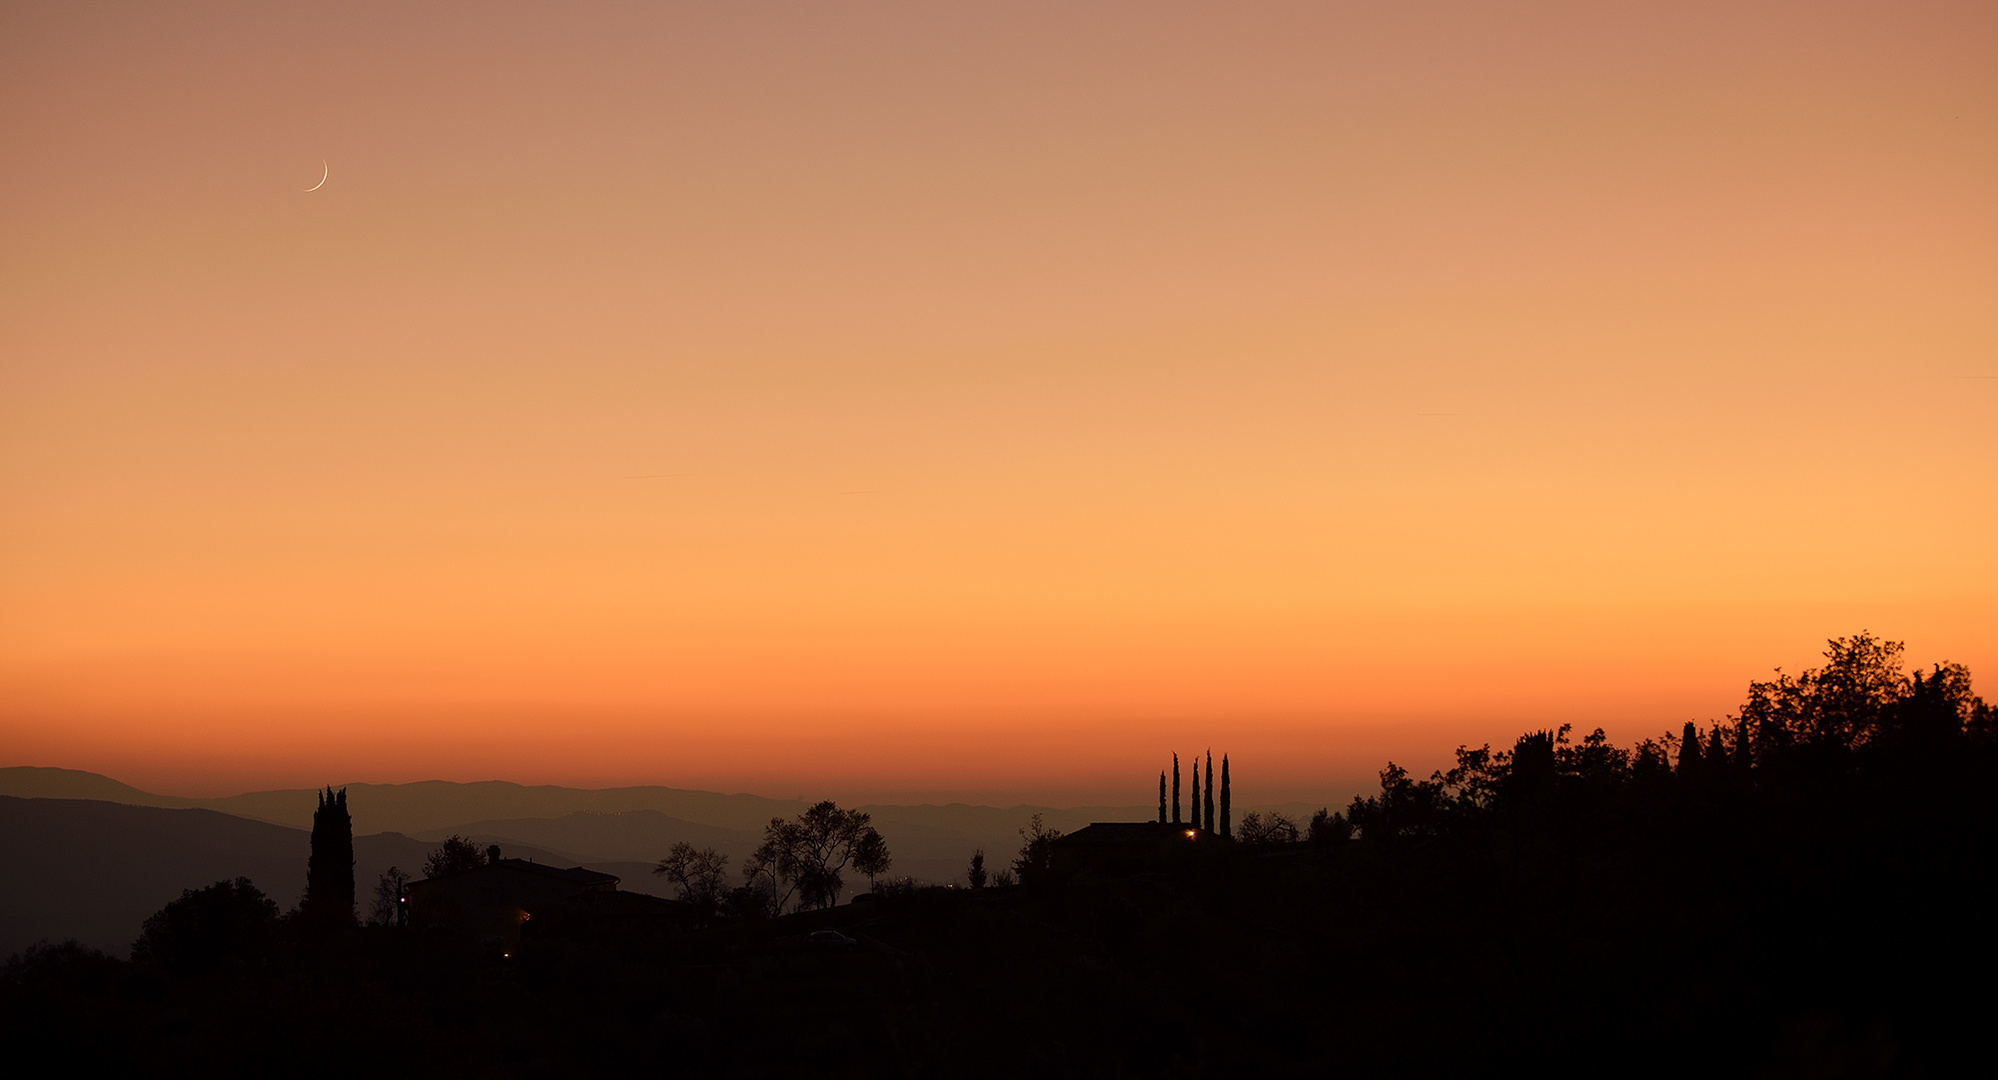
x=1227 y=819
x=1162 y=796
x=1689 y=751
x=329 y=871
x=1209 y=826
x=1175 y=789
x=1193 y=799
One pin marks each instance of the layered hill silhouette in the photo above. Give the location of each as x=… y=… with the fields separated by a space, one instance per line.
x=435 y=807
x=94 y=870
x=90 y=857
x=418 y=808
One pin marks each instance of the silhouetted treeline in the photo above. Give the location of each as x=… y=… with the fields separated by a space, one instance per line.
x=1796 y=890
x=1857 y=732
x=1794 y=884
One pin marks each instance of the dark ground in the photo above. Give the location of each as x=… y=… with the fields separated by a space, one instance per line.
x=1804 y=892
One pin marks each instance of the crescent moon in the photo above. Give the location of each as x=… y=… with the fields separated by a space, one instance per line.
x=324 y=172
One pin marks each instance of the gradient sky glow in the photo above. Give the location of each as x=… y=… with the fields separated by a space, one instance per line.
x=978 y=402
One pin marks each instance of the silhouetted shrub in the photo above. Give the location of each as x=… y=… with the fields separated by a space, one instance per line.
x=69 y=964
x=455 y=856
x=1327 y=826
x=700 y=873
x=807 y=856
x=1036 y=849
x=1271 y=828
x=228 y=924
x=900 y=886
x=388 y=908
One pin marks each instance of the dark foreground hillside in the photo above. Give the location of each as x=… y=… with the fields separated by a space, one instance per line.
x=1296 y=962
x=1801 y=892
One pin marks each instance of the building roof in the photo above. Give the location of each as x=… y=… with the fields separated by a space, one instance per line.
x=575 y=875
x=1129 y=832
x=630 y=903
x=519 y=873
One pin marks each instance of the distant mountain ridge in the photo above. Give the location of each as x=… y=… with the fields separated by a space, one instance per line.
x=90 y=857
x=627 y=835
x=425 y=807
x=432 y=809
x=94 y=870
x=41 y=782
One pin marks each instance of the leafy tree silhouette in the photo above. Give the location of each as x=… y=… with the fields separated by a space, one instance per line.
x=700 y=873
x=388 y=908
x=751 y=900
x=229 y=924
x=1267 y=829
x=1327 y=826
x=1933 y=715
x=1036 y=850
x=1841 y=706
x=807 y=857
x=456 y=855
x=1406 y=808
x=1162 y=797
x=976 y=874
x=1650 y=759
x=870 y=855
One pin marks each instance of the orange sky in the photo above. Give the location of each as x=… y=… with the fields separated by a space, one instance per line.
x=900 y=401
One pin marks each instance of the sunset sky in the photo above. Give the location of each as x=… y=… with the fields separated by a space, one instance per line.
x=941 y=401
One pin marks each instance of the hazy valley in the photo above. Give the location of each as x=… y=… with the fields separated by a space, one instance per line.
x=91 y=857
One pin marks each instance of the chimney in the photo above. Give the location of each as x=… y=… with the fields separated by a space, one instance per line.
x=492 y=855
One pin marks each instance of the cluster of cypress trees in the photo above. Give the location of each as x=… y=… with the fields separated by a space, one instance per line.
x=1200 y=807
